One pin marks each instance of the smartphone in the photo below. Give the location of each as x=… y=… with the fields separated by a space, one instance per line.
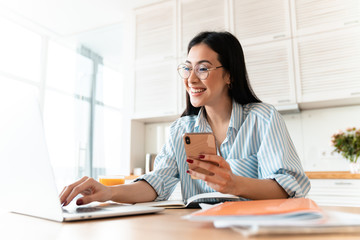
x=197 y=144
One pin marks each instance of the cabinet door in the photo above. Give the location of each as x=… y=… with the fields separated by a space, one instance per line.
x=156 y=90
x=322 y=15
x=197 y=16
x=155 y=32
x=270 y=70
x=328 y=65
x=335 y=192
x=260 y=21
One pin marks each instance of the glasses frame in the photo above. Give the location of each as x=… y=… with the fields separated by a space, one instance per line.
x=191 y=69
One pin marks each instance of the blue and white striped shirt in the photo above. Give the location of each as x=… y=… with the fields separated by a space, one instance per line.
x=257 y=145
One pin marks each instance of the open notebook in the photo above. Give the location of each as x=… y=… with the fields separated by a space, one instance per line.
x=27 y=183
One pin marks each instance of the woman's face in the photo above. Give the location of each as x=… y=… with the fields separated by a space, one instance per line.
x=214 y=89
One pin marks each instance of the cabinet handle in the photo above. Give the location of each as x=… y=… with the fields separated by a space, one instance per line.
x=283 y=101
x=343 y=183
x=355 y=93
x=351 y=22
x=279 y=36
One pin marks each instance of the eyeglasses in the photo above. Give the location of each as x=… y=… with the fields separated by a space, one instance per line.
x=201 y=71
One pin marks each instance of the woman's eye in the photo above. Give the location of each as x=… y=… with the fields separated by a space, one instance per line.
x=203 y=69
x=186 y=68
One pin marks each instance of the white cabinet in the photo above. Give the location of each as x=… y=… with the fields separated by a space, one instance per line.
x=155 y=83
x=328 y=65
x=261 y=21
x=156 y=90
x=324 y=15
x=296 y=51
x=270 y=70
x=264 y=30
x=335 y=192
x=155 y=32
x=198 y=16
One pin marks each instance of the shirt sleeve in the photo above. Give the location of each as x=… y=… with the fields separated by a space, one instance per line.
x=278 y=159
x=165 y=175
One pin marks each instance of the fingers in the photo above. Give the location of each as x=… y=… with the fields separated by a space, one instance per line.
x=64 y=195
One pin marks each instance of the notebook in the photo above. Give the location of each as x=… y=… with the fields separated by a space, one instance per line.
x=27 y=182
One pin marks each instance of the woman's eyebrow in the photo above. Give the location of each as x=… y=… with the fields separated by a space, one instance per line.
x=201 y=61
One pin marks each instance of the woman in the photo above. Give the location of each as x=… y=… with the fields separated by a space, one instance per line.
x=256 y=157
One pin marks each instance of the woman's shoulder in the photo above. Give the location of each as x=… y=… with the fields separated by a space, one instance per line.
x=184 y=124
x=260 y=110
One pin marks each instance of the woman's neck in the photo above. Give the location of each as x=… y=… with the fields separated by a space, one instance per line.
x=219 y=119
x=220 y=113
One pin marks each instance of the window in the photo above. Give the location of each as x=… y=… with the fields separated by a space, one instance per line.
x=82 y=101
x=20 y=51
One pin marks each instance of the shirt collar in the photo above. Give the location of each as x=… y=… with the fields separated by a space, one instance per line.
x=236 y=118
x=201 y=124
x=236 y=115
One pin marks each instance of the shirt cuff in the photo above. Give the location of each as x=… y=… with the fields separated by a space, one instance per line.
x=289 y=184
x=156 y=183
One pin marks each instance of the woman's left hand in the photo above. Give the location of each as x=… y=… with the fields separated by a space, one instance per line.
x=222 y=178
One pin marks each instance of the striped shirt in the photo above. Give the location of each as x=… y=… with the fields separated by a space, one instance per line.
x=257 y=145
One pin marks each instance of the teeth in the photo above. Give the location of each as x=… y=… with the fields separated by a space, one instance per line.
x=197 y=90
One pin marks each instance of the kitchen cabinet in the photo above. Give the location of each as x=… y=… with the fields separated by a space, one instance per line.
x=155 y=86
x=335 y=188
x=155 y=34
x=298 y=52
x=261 y=21
x=335 y=192
x=327 y=65
x=310 y=17
x=156 y=90
x=270 y=71
x=197 y=16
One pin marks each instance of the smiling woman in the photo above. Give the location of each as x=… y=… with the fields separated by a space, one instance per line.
x=255 y=159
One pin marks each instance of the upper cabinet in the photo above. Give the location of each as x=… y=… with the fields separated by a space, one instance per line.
x=327 y=53
x=261 y=21
x=264 y=30
x=155 y=81
x=297 y=52
x=270 y=71
x=328 y=65
x=323 y=15
x=197 y=16
x=155 y=32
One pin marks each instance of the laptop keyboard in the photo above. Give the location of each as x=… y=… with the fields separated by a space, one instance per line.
x=84 y=210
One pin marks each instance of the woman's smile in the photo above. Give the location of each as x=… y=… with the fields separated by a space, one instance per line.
x=197 y=91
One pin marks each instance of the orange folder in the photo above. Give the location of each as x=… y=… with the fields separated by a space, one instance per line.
x=261 y=207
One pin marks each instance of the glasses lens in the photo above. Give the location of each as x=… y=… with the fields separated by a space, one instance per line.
x=184 y=71
x=202 y=71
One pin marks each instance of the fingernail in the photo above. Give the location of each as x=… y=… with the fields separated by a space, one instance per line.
x=64 y=203
x=189 y=160
x=201 y=156
x=187 y=171
x=79 y=202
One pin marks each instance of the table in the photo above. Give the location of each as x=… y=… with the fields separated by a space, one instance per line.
x=165 y=225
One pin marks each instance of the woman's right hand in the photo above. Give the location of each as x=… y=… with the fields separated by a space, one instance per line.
x=91 y=190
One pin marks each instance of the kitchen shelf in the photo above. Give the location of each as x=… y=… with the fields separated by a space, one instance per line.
x=332 y=175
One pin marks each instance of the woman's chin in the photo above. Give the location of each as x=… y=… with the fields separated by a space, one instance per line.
x=196 y=104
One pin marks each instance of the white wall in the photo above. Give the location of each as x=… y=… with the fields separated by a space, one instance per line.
x=311 y=131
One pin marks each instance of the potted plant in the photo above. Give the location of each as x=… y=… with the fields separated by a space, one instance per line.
x=348 y=145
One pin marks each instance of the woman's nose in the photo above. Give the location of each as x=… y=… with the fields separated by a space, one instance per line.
x=193 y=77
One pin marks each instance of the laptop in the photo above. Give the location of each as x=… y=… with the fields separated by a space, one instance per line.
x=27 y=181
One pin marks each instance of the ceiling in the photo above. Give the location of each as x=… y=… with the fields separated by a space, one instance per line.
x=97 y=24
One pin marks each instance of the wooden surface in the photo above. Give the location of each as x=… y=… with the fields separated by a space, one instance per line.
x=165 y=225
x=332 y=175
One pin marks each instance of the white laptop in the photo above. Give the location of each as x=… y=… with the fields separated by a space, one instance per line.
x=26 y=177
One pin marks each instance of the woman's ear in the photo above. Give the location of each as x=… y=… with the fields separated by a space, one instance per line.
x=227 y=78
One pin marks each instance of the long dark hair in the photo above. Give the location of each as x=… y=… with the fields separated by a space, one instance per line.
x=231 y=57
